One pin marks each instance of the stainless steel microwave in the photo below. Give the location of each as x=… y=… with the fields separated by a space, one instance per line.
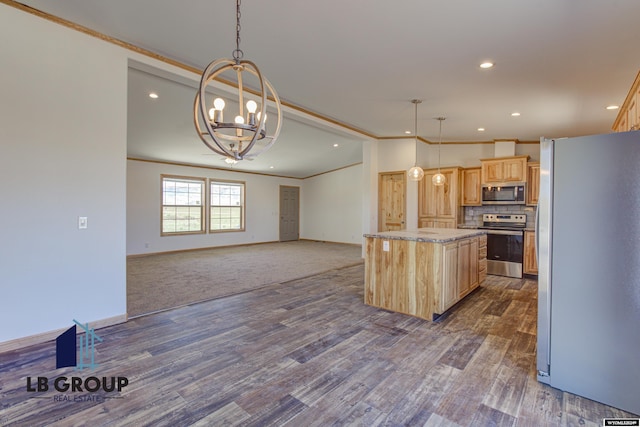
x=509 y=193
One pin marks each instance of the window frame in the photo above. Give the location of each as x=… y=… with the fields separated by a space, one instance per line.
x=210 y=206
x=203 y=203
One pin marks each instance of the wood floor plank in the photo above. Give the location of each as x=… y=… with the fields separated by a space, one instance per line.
x=486 y=416
x=228 y=415
x=310 y=353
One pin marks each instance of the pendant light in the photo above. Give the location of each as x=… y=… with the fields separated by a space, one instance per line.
x=416 y=173
x=439 y=178
x=242 y=131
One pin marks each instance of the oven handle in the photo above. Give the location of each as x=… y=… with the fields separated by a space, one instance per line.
x=505 y=232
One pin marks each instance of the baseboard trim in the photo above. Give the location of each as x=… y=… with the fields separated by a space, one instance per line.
x=19 y=343
x=232 y=246
x=177 y=251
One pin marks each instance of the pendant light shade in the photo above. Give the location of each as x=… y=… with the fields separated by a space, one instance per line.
x=416 y=173
x=439 y=178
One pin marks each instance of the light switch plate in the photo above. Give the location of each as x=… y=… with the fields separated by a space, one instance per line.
x=82 y=222
x=385 y=245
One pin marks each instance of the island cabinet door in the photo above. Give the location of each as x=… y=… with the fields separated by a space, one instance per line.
x=474 y=263
x=464 y=278
x=449 y=288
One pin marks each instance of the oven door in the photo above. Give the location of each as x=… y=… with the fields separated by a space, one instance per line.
x=505 y=252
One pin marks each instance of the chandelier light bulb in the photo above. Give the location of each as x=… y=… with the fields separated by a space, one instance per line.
x=251 y=106
x=212 y=113
x=218 y=104
x=239 y=120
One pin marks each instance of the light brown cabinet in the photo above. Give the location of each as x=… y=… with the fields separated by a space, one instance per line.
x=470 y=188
x=629 y=115
x=450 y=294
x=530 y=264
x=436 y=223
x=482 y=259
x=504 y=169
x=533 y=183
x=460 y=270
x=421 y=278
x=439 y=206
x=468 y=261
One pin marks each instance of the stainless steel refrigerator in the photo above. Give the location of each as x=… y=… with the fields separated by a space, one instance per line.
x=588 y=242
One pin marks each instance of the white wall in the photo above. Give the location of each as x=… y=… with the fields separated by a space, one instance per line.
x=464 y=155
x=143 y=208
x=399 y=155
x=62 y=155
x=332 y=206
x=468 y=155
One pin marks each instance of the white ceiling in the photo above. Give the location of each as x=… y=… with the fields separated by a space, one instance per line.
x=557 y=62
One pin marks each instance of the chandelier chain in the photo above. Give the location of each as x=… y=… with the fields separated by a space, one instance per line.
x=237 y=53
x=415 y=131
x=439 y=144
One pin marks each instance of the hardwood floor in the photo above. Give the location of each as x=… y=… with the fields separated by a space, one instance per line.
x=307 y=353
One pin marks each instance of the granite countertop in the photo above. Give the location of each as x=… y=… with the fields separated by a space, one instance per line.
x=434 y=235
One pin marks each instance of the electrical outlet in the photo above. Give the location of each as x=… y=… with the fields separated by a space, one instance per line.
x=82 y=222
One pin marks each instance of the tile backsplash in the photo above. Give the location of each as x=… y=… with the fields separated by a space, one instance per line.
x=473 y=214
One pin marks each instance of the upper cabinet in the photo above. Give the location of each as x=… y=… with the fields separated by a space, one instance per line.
x=439 y=206
x=504 y=169
x=470 y=189
x=533 y=183
x=629 y=115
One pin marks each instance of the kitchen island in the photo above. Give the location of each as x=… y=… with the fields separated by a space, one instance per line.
x=423 y=272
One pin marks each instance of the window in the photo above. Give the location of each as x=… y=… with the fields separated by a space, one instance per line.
x=182 y=205
x=226 y=210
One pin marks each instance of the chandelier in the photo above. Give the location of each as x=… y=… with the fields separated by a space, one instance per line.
x=416 y=173
x=247 y=129
x=439 y=178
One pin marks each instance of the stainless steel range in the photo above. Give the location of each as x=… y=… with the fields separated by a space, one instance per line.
x=505 y=241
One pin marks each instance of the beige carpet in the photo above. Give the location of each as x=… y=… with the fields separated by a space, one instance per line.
x=159 y=282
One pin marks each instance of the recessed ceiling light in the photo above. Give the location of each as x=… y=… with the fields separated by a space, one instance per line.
x=480 y=129
x=612 y=107
x=271 y=167
x=516 y=114
x=486 y=64
x=408 y=132
x=153 y=95
x=336 y=145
